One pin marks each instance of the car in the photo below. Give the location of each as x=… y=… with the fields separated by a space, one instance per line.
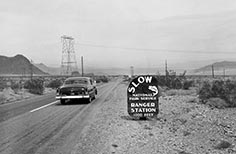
x=77 y=88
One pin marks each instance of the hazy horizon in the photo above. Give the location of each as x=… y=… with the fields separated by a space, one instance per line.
x=121 y=33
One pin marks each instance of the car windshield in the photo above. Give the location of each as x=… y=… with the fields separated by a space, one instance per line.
x=76 y=81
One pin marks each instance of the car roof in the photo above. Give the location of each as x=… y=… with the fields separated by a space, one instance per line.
x=78 y=78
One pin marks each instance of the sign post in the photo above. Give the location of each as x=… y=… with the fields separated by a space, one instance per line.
x=142 y=94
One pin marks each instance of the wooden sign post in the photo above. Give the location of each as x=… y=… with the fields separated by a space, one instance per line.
x=142 y=94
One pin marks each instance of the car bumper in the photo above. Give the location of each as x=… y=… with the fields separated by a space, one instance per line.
x=72 y=97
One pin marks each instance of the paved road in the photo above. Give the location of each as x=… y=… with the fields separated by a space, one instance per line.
x=27 y=127
x=10 y=110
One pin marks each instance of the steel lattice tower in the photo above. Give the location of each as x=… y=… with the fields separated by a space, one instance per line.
x=68 y=61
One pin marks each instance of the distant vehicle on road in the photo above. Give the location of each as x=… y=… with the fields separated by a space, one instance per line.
x=77 y=88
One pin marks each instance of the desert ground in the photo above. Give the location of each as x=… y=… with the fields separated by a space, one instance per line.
x=183 y=126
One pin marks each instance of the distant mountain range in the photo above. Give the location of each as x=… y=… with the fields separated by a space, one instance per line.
x=21 y=65
x=227 y=67
x=18 y=65
x=49 y=70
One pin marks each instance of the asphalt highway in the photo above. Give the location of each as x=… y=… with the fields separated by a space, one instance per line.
x=43 y=125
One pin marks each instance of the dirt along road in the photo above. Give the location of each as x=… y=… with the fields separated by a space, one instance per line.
x=183 y=126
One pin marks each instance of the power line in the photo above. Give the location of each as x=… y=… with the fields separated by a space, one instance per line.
x=157 y=50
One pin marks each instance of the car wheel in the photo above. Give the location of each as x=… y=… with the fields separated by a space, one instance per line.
x=63 y=101
x=89 y=100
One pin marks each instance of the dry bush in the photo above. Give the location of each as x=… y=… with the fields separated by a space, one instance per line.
x=225 y=90
x=2 y=85
x=175 y=82
x=35 y=86
x=103 y=79
x=180 y=92
x=15 y=85
x=187 y=84
x=218 y=89
x=205 y=91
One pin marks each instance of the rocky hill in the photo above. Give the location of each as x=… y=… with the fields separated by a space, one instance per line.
x=47 y=69
x=219 y=67
x=18 y=64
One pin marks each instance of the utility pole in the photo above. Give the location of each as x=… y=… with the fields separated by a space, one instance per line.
x=82 y=66
x=212 y=69
x=166 y=70
x=132 y=71
x=224 y=73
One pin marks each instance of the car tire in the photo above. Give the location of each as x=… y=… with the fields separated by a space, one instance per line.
x=63 y=101
x=89 y=100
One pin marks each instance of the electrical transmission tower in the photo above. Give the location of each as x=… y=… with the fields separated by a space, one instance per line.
x=68 y=61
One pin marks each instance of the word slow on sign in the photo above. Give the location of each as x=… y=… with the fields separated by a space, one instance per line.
x=142 y=95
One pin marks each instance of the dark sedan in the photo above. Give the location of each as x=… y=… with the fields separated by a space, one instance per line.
x=77 y=88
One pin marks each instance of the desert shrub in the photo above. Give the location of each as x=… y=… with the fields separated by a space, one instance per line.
x=187 y=84
x=230 y=86
x=230 y=90
x=176 y=83
x=15 y=85
x=231 y=99
x=161 y=81
x=180 y=92
x=205 y=91
x=35 y=86
x=2 y=85
x=219 y=89
x=172 y=82
x=54 y=83
x=104 y=79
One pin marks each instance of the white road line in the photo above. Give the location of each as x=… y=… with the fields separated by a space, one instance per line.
x=43 y=106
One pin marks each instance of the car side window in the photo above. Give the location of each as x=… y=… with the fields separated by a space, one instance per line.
x=91 y=82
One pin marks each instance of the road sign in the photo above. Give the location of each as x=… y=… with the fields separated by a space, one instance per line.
x=142 y=94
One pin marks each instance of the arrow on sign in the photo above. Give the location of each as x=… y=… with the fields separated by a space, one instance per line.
x=154 y=89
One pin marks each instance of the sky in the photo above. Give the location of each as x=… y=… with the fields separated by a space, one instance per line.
x=108 y=33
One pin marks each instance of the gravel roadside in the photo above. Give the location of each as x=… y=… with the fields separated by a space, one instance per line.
x=183 y=126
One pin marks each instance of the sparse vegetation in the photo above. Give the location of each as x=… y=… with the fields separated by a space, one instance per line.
x=16 y=86
x=35 y=86
x=103 y=79
x=187 y=84
x=2 y=85
x=225 y=90
x=174 y=82
x=205 y=91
